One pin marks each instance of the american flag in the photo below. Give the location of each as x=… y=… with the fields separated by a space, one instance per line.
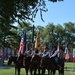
x=22 y=44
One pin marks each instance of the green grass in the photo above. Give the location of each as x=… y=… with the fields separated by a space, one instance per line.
x=11 y=71
x=69 y=65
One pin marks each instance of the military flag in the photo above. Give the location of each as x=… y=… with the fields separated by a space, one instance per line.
x=15 y=52
x=74 y=54
x=22 y=44
x=10 y=51
x=37 y=42
x=66 y=54
x=2 y=52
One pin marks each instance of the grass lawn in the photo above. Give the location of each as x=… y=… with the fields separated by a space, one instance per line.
x=11 y=71
x=70 y=66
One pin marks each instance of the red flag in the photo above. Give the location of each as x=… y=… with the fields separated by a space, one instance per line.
x=73 y=54
x=66 y=54
x=73 y=58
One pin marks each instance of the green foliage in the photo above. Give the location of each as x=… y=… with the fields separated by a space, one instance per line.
x=49 y=34
x=53 y=0
x=21 y=10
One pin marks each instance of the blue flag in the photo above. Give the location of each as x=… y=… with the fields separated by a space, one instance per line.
x=6 y=55
x=10 y=51
x=23 y=44
x=15 y=52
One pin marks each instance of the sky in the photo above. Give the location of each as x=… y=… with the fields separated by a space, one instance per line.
x=58 y=13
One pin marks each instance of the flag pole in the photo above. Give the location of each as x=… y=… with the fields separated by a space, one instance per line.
x=33 y=37
x=58 y=48
x=50 y=45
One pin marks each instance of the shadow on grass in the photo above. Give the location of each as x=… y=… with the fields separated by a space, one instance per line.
x=41 y=74
x=6 y=67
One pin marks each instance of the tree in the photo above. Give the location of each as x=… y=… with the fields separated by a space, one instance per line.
x=21 y=10
x=12 y=11
x=69 y=33
x=59 y=32
x=48 y=33
x=5 y=33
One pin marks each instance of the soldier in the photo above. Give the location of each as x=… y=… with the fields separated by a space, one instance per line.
x=37 y=52
x=45 y=52
x=54 y=52
x=31 y=51
x=54 y=55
